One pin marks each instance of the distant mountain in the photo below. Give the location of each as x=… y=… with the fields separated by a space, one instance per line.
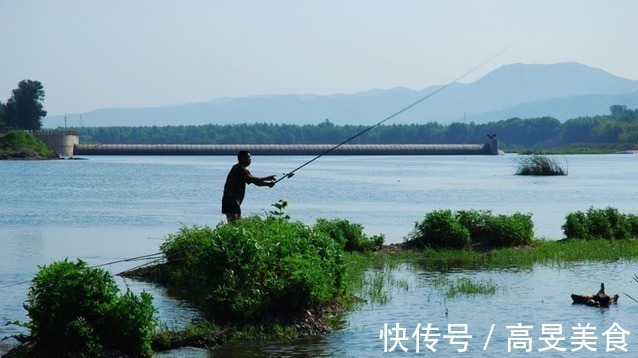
x=563 y=90
x=562 y=108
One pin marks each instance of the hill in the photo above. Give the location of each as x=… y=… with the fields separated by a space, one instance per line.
x=563 y=91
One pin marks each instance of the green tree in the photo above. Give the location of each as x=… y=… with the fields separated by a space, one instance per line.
x=2 y=121
x=617 y=109
x=24 y=110
x=580 y=130
x=630 y=134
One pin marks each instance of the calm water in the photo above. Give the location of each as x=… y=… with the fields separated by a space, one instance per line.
x=110 y=208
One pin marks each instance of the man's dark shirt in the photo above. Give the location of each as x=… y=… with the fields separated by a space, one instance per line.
x=235 y=187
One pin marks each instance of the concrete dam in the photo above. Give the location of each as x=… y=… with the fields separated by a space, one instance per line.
x=284 y=149
x=66 y=143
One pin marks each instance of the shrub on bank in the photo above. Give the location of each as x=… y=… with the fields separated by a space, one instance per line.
x=497 y=230
x=444 y=229
x=606 y=223
x=349 y=235
x=440 y=229
x=75 y=309
x=255 y=267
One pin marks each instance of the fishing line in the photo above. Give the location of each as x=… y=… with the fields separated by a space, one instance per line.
x=156 y=256
x=290 y=174
x=137 y=258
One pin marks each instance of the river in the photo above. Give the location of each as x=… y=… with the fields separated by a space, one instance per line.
x=108 y=208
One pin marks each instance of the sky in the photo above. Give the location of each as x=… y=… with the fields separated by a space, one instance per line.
x=91 y=55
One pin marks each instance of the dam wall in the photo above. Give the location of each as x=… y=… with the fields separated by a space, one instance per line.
x=62 y=142
x=490 y=148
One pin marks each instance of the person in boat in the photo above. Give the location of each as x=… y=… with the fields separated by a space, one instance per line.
x=235 y=186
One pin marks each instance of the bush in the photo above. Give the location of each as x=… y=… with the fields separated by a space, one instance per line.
x=514 y=230
x=476 y=221
x=576 y=226
x=349 y=235
x=539 y=164
x=633 y=224
x=439 y=229
x=248 y=269
x=443 y=229
x=606 y=223
x=76 y=309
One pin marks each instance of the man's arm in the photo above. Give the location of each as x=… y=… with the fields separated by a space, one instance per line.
x=265 y=181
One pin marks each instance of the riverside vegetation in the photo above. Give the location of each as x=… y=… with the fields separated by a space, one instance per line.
x=272 y=277
x=22 y=145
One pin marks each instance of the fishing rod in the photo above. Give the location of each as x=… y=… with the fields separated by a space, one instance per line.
x=290 y=174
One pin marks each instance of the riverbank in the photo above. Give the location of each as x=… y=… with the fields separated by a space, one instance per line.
x=23 y=145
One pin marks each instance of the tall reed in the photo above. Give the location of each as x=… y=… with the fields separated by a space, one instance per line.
x=539 y=164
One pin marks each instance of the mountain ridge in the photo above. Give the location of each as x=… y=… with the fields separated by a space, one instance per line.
x=514 y=90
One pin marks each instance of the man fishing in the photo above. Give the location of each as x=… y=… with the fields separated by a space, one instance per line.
x=235 y=187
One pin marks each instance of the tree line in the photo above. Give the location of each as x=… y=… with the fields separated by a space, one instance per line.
x=618 y=127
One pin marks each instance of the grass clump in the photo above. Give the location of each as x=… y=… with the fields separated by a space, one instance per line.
x=464 y=286
x=21 y=144
x=247 y=270
x=349 y=235
x=76 y=310
x=606 y=223
x=539 y=164
x=471 y=228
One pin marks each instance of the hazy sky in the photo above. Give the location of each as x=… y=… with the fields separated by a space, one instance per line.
x=135 y=53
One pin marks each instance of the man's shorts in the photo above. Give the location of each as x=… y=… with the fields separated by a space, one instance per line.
x=231 y=207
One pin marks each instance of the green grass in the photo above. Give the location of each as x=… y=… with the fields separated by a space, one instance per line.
x=14 y=142
x=371 y=278
x=550 y=253
x=464 y=286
